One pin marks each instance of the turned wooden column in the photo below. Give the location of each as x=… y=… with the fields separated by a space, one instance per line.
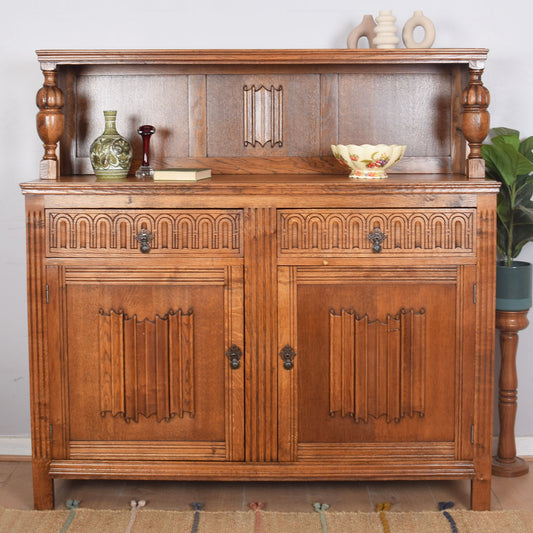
x=475 y=119
x=50 y=123
x=505 y=463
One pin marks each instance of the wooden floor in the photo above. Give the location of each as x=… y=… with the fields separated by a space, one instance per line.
x=507 y=493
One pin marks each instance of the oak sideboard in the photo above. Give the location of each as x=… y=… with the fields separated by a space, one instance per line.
x=251 y=326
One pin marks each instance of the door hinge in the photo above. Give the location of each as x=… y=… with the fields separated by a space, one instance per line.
x=50 y=429
x=47 y=292
x=475 y=293
x=472 y=433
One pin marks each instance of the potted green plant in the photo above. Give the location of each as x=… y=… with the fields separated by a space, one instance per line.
x=510 y=161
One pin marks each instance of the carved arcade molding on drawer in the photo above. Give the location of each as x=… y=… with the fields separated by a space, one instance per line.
x=146 y=367
x=212 y=231
x=377 y=368
x=263 y=115
x=332 y=231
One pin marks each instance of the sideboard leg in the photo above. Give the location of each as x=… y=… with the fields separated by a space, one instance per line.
x=480 y=495
x=43 y=486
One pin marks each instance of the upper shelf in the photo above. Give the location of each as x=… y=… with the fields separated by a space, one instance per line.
x=262 y=57
x=267 y=111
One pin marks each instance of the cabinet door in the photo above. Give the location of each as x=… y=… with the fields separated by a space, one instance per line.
x=382 y=362
x=139 y=357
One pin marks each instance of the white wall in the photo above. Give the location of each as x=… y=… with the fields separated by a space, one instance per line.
x=27 y=25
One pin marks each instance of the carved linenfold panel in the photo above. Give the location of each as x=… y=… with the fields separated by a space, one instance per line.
x=146 y=367
x=263 y=115
x=377 y=368
x=330 y=231
x=203 y=231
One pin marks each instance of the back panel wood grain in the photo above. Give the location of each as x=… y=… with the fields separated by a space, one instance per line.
x=261 y=119
x=162 y=101
x=420 y=119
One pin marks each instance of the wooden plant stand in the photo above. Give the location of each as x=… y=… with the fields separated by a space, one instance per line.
x=505 y=463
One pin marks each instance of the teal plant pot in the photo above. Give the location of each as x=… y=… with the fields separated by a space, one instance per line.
x=513 y=286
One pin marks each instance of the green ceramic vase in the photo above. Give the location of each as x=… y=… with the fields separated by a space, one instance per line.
x=110 y=153
x=513 y=286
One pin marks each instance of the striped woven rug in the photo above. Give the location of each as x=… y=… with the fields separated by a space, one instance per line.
x=320 y=519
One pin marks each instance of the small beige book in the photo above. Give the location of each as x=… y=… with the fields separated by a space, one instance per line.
x=182 y=174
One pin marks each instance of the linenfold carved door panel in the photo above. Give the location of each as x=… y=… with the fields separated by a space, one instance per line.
x=375 y=359
x=377 y=367
x=144 y=371
x=146 y=366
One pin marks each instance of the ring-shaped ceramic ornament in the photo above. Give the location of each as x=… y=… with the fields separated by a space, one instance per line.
x=418 y=19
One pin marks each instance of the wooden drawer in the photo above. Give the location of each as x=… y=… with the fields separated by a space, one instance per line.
x=407 y=232
x=95 y=232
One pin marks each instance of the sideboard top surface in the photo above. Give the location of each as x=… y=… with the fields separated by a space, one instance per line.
x=262 y=56
x=267 y=185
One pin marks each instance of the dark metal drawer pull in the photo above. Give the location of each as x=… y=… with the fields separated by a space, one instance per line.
x=287 y=354
x=144 y=237
x=234 y=354
x=376 y=237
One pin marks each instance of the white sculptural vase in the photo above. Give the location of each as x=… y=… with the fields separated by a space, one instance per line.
x=385 y=30
x=365 y=29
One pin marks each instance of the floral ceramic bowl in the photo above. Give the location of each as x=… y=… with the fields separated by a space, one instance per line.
x=368 y=160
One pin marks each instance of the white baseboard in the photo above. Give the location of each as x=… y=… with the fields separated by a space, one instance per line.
x=14 y=446
x=524 y=446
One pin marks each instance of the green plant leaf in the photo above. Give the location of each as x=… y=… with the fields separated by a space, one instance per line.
x=510 y=162
x=496 y=132
x=506 y=160
x=526 y=148
x=524 y=164
x=512 y=140
x=504 y=206
x=522 y=227
x=521 y=236
x=502 y=241
x=524 y=193
x=488 y=152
